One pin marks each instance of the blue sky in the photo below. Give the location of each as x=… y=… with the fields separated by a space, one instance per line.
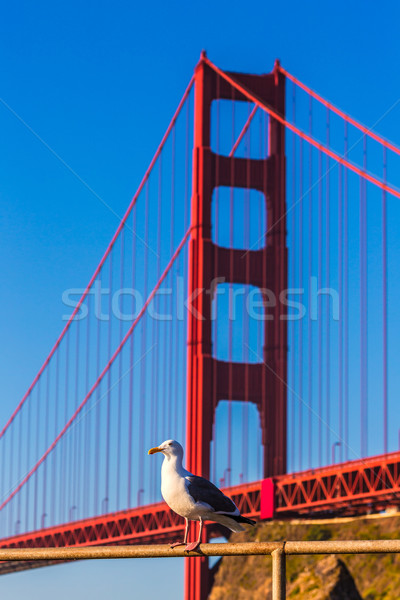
x=99 y=83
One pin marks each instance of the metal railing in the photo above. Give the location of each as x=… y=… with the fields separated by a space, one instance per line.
x=277 y=550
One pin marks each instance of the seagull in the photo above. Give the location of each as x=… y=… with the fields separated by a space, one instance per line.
x=194 y=498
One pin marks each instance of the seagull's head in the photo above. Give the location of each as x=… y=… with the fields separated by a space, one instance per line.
x=169 y=448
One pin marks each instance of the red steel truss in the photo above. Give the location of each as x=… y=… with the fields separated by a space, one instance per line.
x=346 y=488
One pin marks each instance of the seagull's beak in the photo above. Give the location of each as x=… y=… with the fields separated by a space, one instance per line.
x=154 y=450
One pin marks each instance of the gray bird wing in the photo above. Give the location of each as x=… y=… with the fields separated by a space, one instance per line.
x=203 y=490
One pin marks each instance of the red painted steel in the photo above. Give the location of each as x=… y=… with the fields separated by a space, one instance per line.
x=267 y=499
x=347 y=488
x=266 y=268
x=252 y=97
x=244 y=130
x=367 y=130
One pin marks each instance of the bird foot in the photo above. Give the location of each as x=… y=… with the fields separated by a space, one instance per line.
x=192 y=546
x=175 y=544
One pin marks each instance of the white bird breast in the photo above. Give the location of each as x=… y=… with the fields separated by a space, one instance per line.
x=175 y=494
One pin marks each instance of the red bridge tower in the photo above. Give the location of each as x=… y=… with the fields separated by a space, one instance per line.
x=211 y=380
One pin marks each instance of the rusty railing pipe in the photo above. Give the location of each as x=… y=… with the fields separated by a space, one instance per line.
x=279 y=574
x=239 y=549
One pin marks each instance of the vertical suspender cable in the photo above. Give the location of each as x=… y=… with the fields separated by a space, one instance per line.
x=293 y=285
x=363 y=307
x=153 y=396
x=215 y=314
x=185 y=256
x=98 y=410
x=230 y=336
x=159 y=337
x=151 y=402
x=9 y=509
x=264 y=275
x=173 y=356
x=3 y=443
x=262 y=227
x=46 y=443
x=167 y=370
x=385 y=308
x=19 y=450
x=119 y=416
x=320 y=320
x=366 y=299
x=11 y=470
x=35 y=500
x=28 y=457
x=268 y=223
x=346 y=301
x=340 y=330
x=164 y=369
x=176 y=346
x=300 y=326
x=11 y=463
x=131 y=362
x=310 y=331
x=87 y=450
x=64 y=470
x=246 y=317
x=75 y=483
x=143 y=383
x=55 y=454
x=185 y=265
x=109 y=374
x=327 y=316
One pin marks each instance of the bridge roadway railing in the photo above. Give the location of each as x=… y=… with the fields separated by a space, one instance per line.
x=277 y=550
x=349 y=488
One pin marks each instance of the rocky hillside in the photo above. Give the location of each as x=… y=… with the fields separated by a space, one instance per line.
x=357 y=577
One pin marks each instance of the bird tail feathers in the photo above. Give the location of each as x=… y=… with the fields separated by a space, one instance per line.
x=233 y=522
x=241 y=519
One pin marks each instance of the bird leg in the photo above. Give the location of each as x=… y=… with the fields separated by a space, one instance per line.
x=194 y=545
x=185 y=537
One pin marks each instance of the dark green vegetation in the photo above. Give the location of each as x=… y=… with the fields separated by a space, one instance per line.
x=370 y=577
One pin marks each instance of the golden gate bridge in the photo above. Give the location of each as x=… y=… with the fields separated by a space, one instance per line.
x=244 y=306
